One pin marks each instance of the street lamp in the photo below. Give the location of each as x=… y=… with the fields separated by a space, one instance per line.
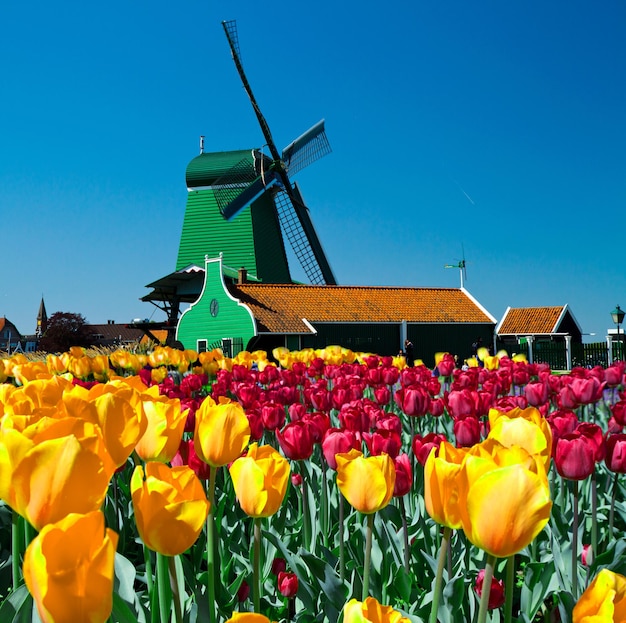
x=618 y=317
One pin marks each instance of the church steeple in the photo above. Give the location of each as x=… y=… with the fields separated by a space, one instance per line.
x=42 y=320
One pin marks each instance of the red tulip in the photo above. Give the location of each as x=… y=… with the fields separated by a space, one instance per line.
x=446 y=365
x=243 y=592
x=587 y=390
x=615 y=458
x=613 y=375
x=404 y=475
x=354 y=417
x=287 y=584
x=382 y=395
x=278 y=565
x=496 y=594
x=256 y=424
x=413 y=400
x=520 y=375
x=594 y=433
x=619 y=412
x=566 y=399
x=574 y=456
x=462 y=403
x=536 y=393
x=297 y=411
x=467 y=431
x=318 y=423
x=437 y=407
x=338 y=441
x=423 y=445
x=186 y=455
x=387 y=441
x=296 y=441
x=273 y=415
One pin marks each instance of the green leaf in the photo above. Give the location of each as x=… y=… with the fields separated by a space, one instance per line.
x=124 y=579
x=539 y=582
x=18 y=607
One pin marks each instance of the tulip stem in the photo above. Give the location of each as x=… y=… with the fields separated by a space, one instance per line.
x=256 y=568
x=16 y=539
x=594 y=515
x=508 y=589
x=164 y=588
x=612 y=509
x=325 y=505
x=441 y=561
x=148 y=561
x=342 y=554
x=484 y=598
x=210 y=546
x=368 y=556
x=306 y=518
x=405 y=534
x=575 y=539
x=174 y=584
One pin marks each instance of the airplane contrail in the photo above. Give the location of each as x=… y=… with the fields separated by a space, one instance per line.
x=463 y=191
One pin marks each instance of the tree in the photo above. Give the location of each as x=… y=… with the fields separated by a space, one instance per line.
x=63 y=331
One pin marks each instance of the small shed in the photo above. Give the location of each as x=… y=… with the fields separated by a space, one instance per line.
x=523 y=325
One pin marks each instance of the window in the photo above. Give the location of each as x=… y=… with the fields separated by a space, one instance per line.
x=202 y=346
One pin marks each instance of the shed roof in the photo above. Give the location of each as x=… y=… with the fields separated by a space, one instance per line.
x=532 y=320
x=287 y=308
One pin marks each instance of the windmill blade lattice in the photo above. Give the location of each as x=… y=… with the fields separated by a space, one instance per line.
x=308 y=148
x=302 y=242
x=228 y=187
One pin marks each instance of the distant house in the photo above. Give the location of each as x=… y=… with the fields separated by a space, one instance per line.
x=114 y=334
x=249 y=316
x=523 y=328
x=10 y=337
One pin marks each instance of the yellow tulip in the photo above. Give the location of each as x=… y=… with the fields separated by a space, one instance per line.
x=442 y=479
x=283 y=356
x=157 y=375
x=63 y=469
x=170 y=507
x=525 y=428
x=80 y=367
x=248 y=617
x=222 y=432
x=366 y=482
x=503 y=507
x=100 y=368
x=69 y=569
x=121 y=423
x=123 y=360
x=371 y=611
x=55 y=364
x=260 y=479
x=603 y=601
x=492 y=362
x=166 y=424
x=31 y=371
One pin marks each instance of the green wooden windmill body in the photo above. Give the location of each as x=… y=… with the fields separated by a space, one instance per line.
x=252 y=240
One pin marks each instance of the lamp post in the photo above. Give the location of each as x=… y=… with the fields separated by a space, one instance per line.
x=618 y=317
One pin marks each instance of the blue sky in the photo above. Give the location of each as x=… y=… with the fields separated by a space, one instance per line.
x=494 y=128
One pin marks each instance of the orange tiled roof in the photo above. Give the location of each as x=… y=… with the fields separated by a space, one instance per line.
x=531 y=320
x=281 y=308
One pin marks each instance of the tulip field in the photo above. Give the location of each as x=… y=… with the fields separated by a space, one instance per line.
x=309 y=486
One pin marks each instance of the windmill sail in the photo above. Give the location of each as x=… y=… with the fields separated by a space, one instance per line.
x=298 y=228
x=293 y=215
x=308 y=148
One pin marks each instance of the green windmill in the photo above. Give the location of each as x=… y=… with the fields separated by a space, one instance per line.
x=244 y=204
